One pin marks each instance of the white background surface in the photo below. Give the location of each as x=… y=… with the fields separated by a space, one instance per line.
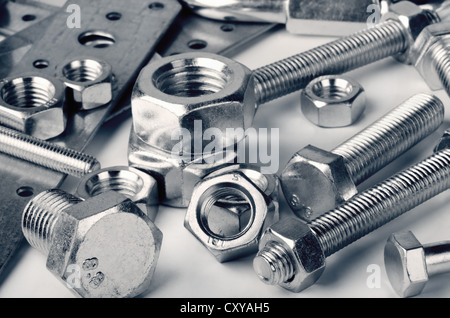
x=185 y=267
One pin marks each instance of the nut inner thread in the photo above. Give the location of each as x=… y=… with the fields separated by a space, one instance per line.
x=192 y=77
x=82 y=71
x=28 y=92
x=125 y=182
x=332 y=88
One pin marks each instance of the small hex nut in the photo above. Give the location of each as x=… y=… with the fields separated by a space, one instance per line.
x=333 y=101
x=304 y=250
x=33 y=104
x=316 y=181
x=444 y=142
x=264 y=212
x=405 y=264
x=89 y=81
x=415 y=19
x=190 y=93
x=110 y=243
x=136 y=185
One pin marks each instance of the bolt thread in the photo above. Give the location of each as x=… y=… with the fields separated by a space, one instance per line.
x=273 y=264
x=392 y=135
x=382 y=203
x=362 y=48
x=40 y=216
x=441 y=63
x=46 y=154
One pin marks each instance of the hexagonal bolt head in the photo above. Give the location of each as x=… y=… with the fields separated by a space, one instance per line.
x=33 y=104
x=185 y=95
x=333 y=101
x=102 y=247
x=89 y=82
x=405 y=264
x=414 y=19
x=430 y=39
x=225 y=241
x=136 y=185
x=293 y=239
x=316 y=181
x=445 y=141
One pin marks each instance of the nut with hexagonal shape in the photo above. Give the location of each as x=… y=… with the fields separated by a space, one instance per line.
x=77 y=238
x=333 y=101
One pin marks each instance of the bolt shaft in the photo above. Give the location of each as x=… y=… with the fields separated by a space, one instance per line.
x=46 y=154
x=389 y=137
x=343 y=55
x=441 y=62
x=437 y=258
x=382 y=203
x=40 y=216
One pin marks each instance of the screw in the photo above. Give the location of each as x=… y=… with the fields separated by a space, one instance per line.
x=409 y=264
x=316 y=181
x=46 y=154
x=76 y=237
x=292 y=254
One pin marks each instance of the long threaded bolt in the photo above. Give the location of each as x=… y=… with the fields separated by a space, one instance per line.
x=316 y=181
x=409 y=264
x=293 y=254
x=46 y=154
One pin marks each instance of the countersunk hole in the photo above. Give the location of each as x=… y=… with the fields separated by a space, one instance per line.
x=41 y=64
x=197 y=44
x=332 y=88
x=227 y=27
x=29 y=17
x=192 y=77
x=125 y=182
x=156 y=6
x=28 y=92
x=25 y=192
x=114 y=16
x=97 y=39
x=86 y=70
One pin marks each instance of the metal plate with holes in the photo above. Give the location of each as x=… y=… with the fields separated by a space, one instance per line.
x=125 y=43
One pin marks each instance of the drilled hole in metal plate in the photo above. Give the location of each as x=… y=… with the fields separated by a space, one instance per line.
x=192 y=77
x=333 y=88
x=28 y=92
x=41 y=64
x=97 y=39
x=156 y=6
x=227 y=28
x=25 y=192
x=197 y=44
x=229 y=220
x=29 y=17
x=125 y=182
x=86 y=70
x=114 y=16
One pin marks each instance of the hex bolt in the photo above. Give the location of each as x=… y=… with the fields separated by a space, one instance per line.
x=46 y=154
x=316 y=181
x=102 y=247
x=410 y=265
x=292 y=253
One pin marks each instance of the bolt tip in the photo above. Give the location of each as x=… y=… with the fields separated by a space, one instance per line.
x=264 y=269
x=272 y=264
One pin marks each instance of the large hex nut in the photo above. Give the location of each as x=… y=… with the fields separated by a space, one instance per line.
x=264 y=212
x=192 y=92
x=405 y=264
x=33 y=104
x=89 y=81
x=415 y=19
x=136 y=185
x=333 y=101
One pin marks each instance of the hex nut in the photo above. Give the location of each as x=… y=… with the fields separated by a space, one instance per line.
x=415 y=19
x=405 y=264
x=138 y=186
x=423 y=50
x=304 y=250
x=316 y=181
x=109 y=242
x=264 y=212
x=444 y=142
x=191 y=92
x=89 y=81
x=333 y=101
x=33 y=104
